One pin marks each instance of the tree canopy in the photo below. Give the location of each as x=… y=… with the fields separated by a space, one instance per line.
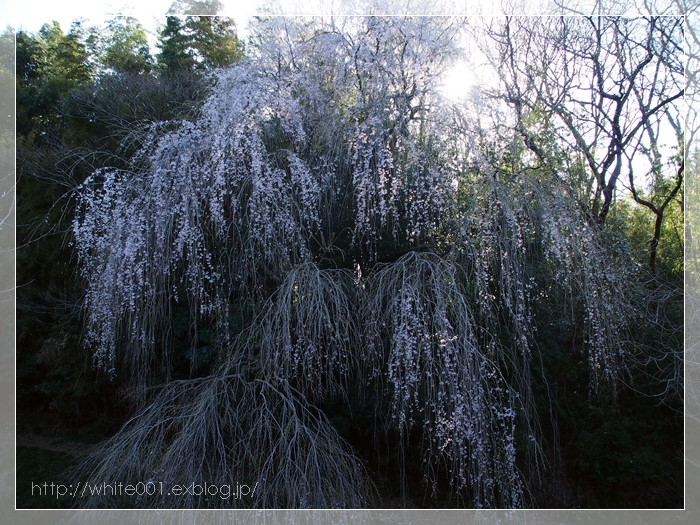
x=198 y=42
x=314 y=272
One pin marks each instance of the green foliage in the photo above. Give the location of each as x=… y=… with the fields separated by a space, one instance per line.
x=174 y=55
x=215 y=41
x=626 y=454
x=635 y=224
x=198 y=43
x=49 y=65
x=122 y=46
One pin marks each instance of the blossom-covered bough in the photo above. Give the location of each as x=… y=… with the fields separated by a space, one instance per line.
x=297 y=200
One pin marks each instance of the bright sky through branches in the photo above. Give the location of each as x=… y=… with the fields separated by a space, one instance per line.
x=459 y=81
x=30 y=16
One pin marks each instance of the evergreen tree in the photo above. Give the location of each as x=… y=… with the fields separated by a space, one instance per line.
x=175 y=53
x=125 y=47
x=201 y=41
x=49 y=65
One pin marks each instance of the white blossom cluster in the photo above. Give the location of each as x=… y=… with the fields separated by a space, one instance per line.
x=309 y=332
x=212 y=211
x=441 y=376
x=586 y=272
x=507 y=231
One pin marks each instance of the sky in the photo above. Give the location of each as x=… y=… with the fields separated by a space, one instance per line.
x=31 y=15
x=459 y=81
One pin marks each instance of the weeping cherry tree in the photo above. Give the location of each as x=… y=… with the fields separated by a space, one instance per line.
x=340 y=240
